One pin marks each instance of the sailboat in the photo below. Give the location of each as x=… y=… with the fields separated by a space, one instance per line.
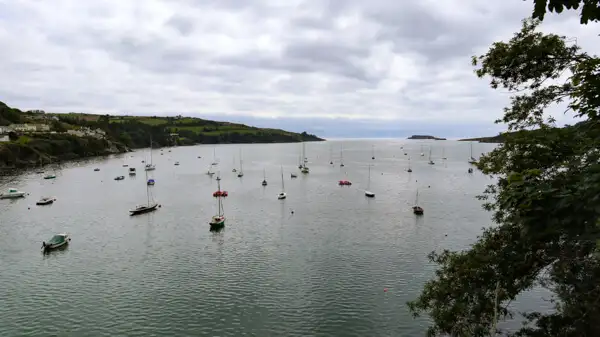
x=241 y=172
x=264 y=182
x=330 y=155
x=367 y=192
x=430 y=161
x=234 y=169
x=304 y=160
x=409 y=168
x=210 y=172
x=418 y=210
x=300 y=158
x=150 y=166
x=422 y=154
x=444 y=153
x=471 y=159
x=219 y=219
x=148 y=207
x=373 y=152
x=282 y=194
x=214 y=156
x=341 y=156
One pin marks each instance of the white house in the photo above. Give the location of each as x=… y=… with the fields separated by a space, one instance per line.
x=4 y=129
x=77 y=133
x=4 y=139
x=23 y=127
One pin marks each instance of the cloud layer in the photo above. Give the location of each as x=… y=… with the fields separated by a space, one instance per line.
x=404 y=63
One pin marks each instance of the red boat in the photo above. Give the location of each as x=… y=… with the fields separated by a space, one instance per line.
x=220 y=194
x=344 y=183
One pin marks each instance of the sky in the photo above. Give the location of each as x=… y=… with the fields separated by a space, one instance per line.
x=336 y=68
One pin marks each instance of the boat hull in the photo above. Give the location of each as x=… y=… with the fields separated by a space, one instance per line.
x=418 y=210
x=369 y=194
x=44 y=202
x=143 y=210
x=51 y=246
x=12 y=195
x=217 y=223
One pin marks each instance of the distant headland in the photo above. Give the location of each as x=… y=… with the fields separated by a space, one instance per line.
x=425 y=137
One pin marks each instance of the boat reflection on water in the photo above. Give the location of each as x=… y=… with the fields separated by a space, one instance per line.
x=55 y=251
x=216 y=229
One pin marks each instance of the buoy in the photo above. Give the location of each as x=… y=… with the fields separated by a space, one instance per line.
x=429 y=186
x=292 y=211
x=385 y=290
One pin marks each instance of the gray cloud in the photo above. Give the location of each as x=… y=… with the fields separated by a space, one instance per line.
x=391 y=63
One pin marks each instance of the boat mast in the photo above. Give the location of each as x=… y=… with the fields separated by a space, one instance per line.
x=147 y=189
x=430 y=153
x=150 y=150
x=241 y=170
x=342 y=154
x=219 y=202
x=417 y=198
x=369 y=181
x=471 y=144
x=303 y=154
x=264 y=174
x=282 y=183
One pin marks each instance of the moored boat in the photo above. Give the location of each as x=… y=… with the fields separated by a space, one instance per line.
x=12 y=193
x=56 y=241
x=45 y=201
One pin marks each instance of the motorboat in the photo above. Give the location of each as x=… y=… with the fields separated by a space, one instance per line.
x=50 y=176
x=151 y=182
x=45 y=201
x=132 y=171
x=418 y=210
x=12 y=193
x=344 y=183
x=293 y=175
x=150 y=167
x=56 y=241
x=120 y=178
x=96 y=169
x=281 y=195
x=176 y=163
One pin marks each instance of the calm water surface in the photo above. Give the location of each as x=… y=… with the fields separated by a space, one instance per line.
x=318 y=272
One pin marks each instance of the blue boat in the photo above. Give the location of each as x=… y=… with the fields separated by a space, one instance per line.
x=150 y=181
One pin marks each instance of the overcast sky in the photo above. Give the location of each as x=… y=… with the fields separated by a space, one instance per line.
x=339 y=68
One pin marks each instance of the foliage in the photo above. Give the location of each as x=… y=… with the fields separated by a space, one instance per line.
x=590 y=9
x=9 y=115
x=545 y=201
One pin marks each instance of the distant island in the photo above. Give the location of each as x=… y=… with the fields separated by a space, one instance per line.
x=33 y=138
x=425 y=137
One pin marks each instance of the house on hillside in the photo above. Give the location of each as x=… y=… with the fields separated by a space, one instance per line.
x=23 y=127
x=4 y=138
x=4 y=130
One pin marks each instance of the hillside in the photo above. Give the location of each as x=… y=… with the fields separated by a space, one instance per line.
x=37 y=136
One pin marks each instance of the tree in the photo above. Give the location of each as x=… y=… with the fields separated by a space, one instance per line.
x=544 y=204
x=590 y=9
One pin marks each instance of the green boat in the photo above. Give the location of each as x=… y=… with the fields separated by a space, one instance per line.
x=56 y=241
x=50 y=176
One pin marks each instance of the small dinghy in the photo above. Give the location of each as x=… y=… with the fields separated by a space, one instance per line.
x=50 y=176
x=45 y=201
x=120 y=178
x=56 y=241
x=151 y=182
x=96 y=169
x=176 y=163
x=132 y=171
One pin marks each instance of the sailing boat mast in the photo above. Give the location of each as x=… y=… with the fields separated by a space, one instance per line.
x=373 y=152
x=282 y=182
x=219 y=201
x=341 y=155
x=369 y=181
x=147 y=189
x=241 y=172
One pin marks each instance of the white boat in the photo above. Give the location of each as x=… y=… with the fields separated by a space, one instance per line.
x=12 y=193
x=471 y=159
x=304 y=168
x=215 y=162
x=241 y=171
x=176 y=163
x=422 y=154
x=282 y=194
x=150 y=166
x=219 y=219
x=56 y=241
x=210 y=172
x=430 y=160
x=367 y=192
x=132 y=171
